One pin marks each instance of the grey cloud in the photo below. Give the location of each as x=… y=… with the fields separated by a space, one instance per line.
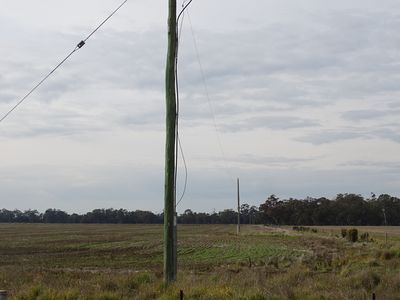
x=140 y=187
x=358 y=115
x=271 y=160
x=117 y=59
x=82 y=188
x=331 y=136
x=150 y=121
x=280 y=67
x=71 y=123
x=386 y=133
x=270 y=122
x=395 y=104
x=386 y=165
x=316 y=183
x=126 y=60
x=251 y=160
x=333 y=58
x=338 y=55
x=6 y=97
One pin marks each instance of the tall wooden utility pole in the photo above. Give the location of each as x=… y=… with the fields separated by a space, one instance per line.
x=170 y=268
x=238 y=203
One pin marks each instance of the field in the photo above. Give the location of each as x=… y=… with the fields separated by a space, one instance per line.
x=41 y=261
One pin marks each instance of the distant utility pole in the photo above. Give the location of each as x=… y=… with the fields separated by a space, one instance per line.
x=238 y=203
x=170 y=253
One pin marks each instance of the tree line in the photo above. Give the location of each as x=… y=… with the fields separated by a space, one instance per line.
x=123 y=216
x=344 y=209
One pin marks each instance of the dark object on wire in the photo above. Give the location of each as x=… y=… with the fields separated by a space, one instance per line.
x=77 y=47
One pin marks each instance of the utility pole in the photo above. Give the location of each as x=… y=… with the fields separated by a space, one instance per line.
x=170 y=253
x=238 y=203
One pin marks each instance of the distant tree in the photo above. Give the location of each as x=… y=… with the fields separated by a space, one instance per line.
x=244 y=213
x=6 y=216
x=55 y=216
x=227 y=216
x=75 y=218
x=270 y=209
x=32 y=216
x=188 y=217
x=345 y=209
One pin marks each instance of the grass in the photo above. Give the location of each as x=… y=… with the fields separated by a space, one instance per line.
x=40 y=261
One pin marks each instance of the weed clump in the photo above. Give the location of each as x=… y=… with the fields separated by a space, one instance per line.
x=369 y=280
x=389 y=254
x=352 y=235
x=364 y=237
x=40 y=292
x=140 y=279
x=304 y=229
x=109 y=285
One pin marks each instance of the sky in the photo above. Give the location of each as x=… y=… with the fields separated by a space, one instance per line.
x=296 y=98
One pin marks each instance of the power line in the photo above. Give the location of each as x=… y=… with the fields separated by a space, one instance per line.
x=178 y=140
x=77 y=47
x=105 y=20
x=206 y=90
x=186 y=173
x=184 y=7
x=37 y=85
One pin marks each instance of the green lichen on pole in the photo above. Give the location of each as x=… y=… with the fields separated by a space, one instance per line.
x=170 y=268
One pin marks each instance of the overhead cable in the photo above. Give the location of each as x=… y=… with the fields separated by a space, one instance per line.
x=178 y=143
x=77 y=47
x=207 y=94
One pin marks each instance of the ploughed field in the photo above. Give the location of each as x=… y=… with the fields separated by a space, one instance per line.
x=86 y=261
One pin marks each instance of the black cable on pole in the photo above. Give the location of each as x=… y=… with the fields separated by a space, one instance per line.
x=186 y=173
x=183 y=9
x=178 y=144
x=77 y=47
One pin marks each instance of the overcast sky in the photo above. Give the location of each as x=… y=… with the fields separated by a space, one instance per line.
x=305 y=96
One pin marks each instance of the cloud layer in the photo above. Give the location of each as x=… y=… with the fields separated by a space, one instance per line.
x=296 y=99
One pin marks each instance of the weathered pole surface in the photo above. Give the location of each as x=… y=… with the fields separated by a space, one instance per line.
x=170 y=268
x=3 y=295
x=238 y=203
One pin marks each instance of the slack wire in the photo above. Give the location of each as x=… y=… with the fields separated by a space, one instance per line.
x=178 y=143
x=203 y=77
x=77 y=47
